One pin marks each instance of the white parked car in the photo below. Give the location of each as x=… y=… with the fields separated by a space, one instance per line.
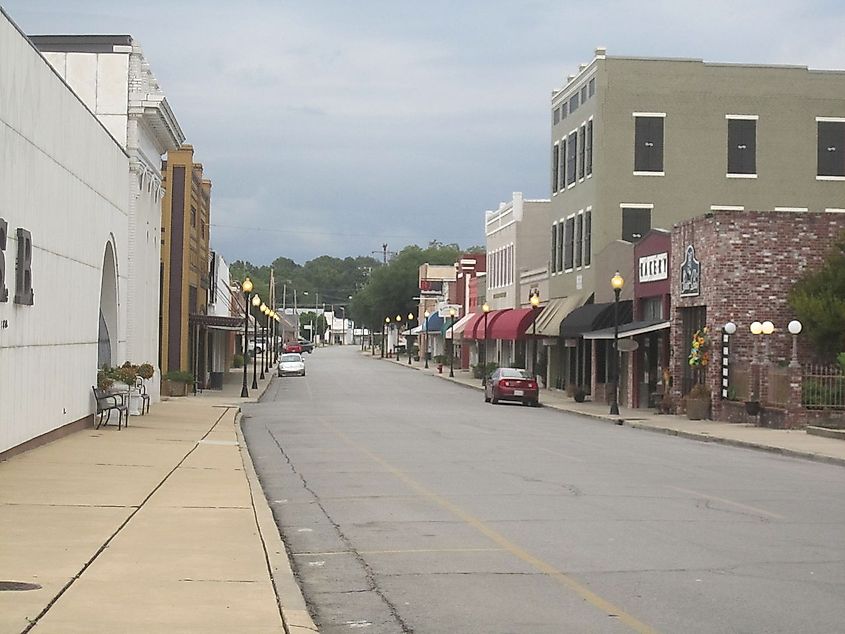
x=291 y=363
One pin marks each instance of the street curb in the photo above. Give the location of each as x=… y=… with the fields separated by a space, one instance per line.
x=292 y=606
x=743 y=444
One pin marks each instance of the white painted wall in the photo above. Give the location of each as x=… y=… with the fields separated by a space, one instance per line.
x=63 y=178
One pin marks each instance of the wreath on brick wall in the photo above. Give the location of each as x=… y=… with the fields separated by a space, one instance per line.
x=699 y=355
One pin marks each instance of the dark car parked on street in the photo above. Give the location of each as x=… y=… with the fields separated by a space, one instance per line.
x=512 y=384
x=307 y=346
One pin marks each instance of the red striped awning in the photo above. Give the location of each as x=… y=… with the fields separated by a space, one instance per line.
x=478 y=328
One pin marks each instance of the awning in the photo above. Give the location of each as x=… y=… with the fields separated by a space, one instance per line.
x=457 y=331
x=217 y=322
x=592 y=317
x=413 y=331
x=631 y=329
x=469 y=327
x=548 y=322
x=444 y=329
x=433 y=323
x=478 y=330
x=513 y=324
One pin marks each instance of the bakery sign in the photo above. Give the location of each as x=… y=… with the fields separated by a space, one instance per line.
x=690 y=274
x=654 y=267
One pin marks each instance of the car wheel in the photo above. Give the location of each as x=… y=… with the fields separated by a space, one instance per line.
x=486 y=398
x=280 y=374
x=494 y=400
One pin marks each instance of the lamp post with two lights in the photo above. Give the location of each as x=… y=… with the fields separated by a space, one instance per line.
x=407 y=343
x=427 y=354
x=256 y=301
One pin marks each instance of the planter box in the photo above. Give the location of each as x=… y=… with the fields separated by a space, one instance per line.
x=174 y=388
x=698 y=408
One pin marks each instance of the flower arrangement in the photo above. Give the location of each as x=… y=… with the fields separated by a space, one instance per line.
x=146 y=371
x=699 y=355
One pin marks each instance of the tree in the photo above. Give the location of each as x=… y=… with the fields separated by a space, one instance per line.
x=818 y=299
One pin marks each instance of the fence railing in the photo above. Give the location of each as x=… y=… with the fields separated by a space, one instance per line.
x=822 y=387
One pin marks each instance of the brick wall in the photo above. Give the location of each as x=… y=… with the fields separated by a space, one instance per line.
x=749 y=262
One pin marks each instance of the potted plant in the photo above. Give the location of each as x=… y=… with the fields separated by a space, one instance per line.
x=698 y=402
x=176 y=382
x=579 y=394
x=104 y=381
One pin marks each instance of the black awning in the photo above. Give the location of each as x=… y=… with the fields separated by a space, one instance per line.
x=592 y=317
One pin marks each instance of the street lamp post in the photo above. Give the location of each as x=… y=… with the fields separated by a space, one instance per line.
x=485 y=308
x=398 y=330
x=617 y=282
x=246 y=287
x=452 y=314
x=410 y=319
x=384 y=336
x=794 y=330
x=535 y=304
x=263 y=309
x=256 y=301
x=426 y=314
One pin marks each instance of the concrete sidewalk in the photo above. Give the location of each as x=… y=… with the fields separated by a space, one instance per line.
x=789 y=442
x=159 y=527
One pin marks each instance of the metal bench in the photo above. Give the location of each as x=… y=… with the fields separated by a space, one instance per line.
x=141 y=388
x=108 y=403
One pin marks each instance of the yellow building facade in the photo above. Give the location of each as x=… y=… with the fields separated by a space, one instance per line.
x=185 y=222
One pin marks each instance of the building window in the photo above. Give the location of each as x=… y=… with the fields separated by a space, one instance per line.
x=648 y=144
x=193 y=216
x=564 y=108
x=588 y=228
x=555 y=166
x=554 y=248
x=652 y=308
x=579 y=237
x=589 y=151
x=557 y=116
x=572 y=159
x=831 y=148
x=583 y=93
x=569 y=244
x=562 y=175
x=560 y=246
x=742 y=146
x=202 y=228
x=591 y=87
x=582 y=151
x=573 y=103
x=636 y=222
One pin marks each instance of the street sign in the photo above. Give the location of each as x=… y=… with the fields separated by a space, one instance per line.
x=627 y=345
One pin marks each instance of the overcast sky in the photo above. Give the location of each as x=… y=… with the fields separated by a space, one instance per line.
x=331 y=127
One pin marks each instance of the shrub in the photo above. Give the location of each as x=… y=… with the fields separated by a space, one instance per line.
x=179 y=376
x=238 y=361
x=699 y=390
x=146 y=371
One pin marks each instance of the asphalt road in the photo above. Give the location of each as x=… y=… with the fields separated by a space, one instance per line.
x=410 y=505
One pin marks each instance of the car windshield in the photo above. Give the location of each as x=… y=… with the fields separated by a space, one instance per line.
x=514 y=373
x=288 y=358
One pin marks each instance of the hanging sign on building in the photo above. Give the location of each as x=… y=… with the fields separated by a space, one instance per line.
x=654 y=267
x=690 y=274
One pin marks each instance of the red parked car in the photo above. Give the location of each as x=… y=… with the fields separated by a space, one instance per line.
x=292 y=346
x=512 y=384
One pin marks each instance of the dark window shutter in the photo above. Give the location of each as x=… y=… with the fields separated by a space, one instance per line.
x=569 y=243
x=742 y=146
x=588 y=236
x=579 y=228
x=563 y=155
x=572 y=160
x=636 y=223
x=831 y=148
x=589 y=168
x=555 y=166
x=648 y=144
x=582 y=151
x=560 y=246
x=554 y=249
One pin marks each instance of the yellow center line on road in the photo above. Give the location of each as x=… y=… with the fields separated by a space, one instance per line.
x=745 y=507
x=409 y=551
x=497 y=538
